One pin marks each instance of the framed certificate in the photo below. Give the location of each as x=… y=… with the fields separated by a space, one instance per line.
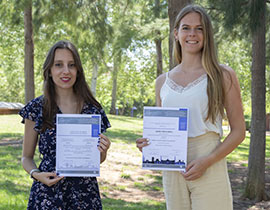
x=77 y=138
x=167 y=130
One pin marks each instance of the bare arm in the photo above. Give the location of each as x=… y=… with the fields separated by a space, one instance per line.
x=29 y=147
x=234 y=110
x=159 y=83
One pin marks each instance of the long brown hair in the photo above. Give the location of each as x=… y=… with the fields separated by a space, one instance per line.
x=215 y=84
x=80 y=87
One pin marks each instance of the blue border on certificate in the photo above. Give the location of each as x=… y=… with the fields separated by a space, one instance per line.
x=183 y=120
x=95 y=127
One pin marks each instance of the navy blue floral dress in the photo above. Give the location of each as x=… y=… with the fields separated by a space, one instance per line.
x=69 y=192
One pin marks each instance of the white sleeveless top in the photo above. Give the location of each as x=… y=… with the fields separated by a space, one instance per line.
x=193 y=96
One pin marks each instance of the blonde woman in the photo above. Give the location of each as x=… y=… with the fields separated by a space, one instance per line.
x=207 y=88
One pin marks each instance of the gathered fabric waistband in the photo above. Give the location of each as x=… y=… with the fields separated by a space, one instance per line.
x=202 y=145
x=209 y=135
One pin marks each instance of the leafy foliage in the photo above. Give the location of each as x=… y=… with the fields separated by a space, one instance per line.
x=105 y=29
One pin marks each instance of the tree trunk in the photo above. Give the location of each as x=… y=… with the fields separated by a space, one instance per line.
x=114 y=87
x=174 y=7
x=159 y=56
x=29 y=53
x=94 y=79
x=158 y=41
x=255 y=186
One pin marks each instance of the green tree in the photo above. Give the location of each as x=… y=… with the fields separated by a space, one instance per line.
x=11 y=52
x=89 y=18
x=15 y=11
x=123 y=32
x=249 y=16
x=52 y=21
x=154 y=27
x=159 y=16
x=255 y=187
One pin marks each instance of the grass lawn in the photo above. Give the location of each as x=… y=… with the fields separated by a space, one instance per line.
x=10 y=127
x=120 y=187
x=123 y=185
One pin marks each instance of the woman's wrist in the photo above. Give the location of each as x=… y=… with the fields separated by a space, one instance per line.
x=211 y=159
x=35 y=170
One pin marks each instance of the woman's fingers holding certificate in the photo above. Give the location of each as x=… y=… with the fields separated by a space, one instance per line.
x=48 y=178
x=142 y=142
x=104 y=143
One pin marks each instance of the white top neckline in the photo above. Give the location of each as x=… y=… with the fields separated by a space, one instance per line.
x=194 y=97
x=179 y=88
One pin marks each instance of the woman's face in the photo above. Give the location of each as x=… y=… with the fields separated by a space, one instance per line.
x=190 y=33
x=63 y=71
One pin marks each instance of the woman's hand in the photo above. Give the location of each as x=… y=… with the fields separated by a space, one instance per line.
x=196 y=168
x=104 y=145
x=47 y=178
x=142 y=142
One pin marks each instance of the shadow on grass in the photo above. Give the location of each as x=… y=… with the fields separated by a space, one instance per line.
x=238 y=178
x=11 y=178
x=12 y=188
x=154 y=185
x=11 y=136
x=10 y=155
x=124 y=135
x=243 y=150
x=10 y=158
x=112 y=204
x=157 y=178
x=12 y=206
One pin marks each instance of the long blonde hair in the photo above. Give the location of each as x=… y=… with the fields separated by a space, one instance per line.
x=215 y=84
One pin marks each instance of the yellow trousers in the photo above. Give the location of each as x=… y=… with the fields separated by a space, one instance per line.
x=212 y=191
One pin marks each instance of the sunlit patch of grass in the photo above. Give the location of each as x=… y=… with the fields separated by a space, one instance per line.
x=241 y=153
x=267 y=150
x=125 y=129
x=125 y=122
x=11 y=127
x=104 y=188
x=244 y=164
x=120 y=187
x=149 y=182
x=140 y=179
x=147 y=187
x=230 y=170
x=157 y=178
x=125 y=176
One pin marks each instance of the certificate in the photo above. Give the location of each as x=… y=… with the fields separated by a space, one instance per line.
x=77 y=138
x=167 y=130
